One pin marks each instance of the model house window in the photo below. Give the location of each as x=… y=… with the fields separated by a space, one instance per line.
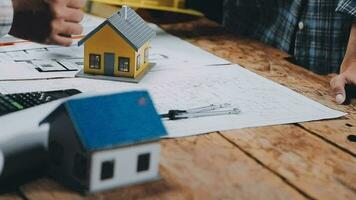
x=94 y=61
x=124 y=64
x=138 y=66
x=80 y=166
x=107 y=170
x=143 y=162
x=146 y=55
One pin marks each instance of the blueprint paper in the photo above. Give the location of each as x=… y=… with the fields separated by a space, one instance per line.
x=184 y=77
x=50 y=61
x=30 y=71
x=27 y=60
x=261 y=101
x=169 y=51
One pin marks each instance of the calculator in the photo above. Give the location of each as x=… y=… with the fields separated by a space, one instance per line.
x=15 y=102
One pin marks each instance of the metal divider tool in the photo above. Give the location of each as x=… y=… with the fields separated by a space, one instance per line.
x=206 y=111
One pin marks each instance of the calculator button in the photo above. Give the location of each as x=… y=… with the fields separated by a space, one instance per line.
x=17 y=105
x=3 y=108
x=14 y=102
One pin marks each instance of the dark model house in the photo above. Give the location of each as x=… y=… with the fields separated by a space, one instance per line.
x=103 y=142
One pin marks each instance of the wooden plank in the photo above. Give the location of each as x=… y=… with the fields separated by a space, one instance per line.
x=335 y=132
x=272 y=64
x=204 y=167
x=319 y=169
x=259 y=58
x=208 y=167
x=47 y=189
x=303 y=82
x=215 y=169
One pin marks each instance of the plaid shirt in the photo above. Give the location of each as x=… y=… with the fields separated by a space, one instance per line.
x=315 y=32
x=6 y=16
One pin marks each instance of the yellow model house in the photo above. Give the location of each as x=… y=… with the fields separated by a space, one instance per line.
x=119 y=47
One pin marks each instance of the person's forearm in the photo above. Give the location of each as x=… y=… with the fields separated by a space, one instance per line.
x=350 y=55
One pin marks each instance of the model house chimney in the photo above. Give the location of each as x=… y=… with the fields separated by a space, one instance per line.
x=125 y=12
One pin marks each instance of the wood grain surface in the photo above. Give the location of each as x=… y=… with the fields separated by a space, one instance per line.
x=303 y=160
x=191 y=169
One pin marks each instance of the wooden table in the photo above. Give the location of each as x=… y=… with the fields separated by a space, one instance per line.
x=311 y=160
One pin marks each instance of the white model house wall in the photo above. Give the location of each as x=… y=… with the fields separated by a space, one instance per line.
x=124 y=162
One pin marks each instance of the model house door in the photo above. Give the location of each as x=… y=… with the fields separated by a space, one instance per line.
x=109 y=64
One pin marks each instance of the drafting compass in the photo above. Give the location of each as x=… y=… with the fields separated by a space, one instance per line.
x=206 y=111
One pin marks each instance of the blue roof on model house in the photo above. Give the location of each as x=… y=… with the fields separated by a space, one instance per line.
x=133 y=29
x=111 y=121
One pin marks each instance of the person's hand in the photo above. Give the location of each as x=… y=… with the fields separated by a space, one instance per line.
x=338 y=83
x=47 y=21
x=348 y=69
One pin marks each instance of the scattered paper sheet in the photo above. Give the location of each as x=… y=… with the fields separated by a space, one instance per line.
x=11 y=71
x=27 y=60
x=261 y=101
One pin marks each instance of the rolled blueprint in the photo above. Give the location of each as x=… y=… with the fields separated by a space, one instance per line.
x=23 y=145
